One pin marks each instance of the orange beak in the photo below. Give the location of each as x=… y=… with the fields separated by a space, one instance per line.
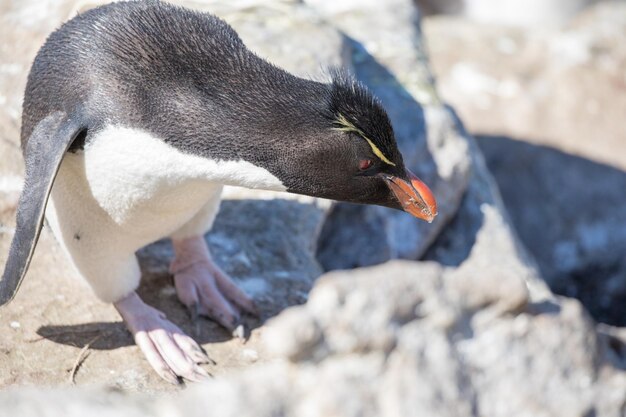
x=414 y=196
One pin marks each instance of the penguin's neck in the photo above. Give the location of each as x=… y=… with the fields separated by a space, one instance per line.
x=270 y=111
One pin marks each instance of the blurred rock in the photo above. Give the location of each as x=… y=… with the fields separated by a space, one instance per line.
x=535 y=13
x=563 y=95
x=560 y=88
x=450 y=7
x=443 y=347
x=449 y=347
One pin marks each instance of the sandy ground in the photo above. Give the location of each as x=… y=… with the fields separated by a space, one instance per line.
x=57 y=333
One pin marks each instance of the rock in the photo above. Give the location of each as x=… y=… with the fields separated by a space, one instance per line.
x=397 y=70
x=561 y=88
x=451 y=349
x=431 y=7
x=482 y=233
x=576 y=235
x=31 y=402
x=550 y=109
x=533 y=13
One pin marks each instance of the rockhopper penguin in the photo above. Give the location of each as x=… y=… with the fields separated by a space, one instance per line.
x=137 y=113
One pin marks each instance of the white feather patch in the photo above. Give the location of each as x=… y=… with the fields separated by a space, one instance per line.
x=129 y=189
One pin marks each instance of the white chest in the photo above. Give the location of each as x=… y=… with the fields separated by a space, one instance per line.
x=127 y=181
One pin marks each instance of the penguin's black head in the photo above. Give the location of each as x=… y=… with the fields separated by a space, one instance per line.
x=354 y=156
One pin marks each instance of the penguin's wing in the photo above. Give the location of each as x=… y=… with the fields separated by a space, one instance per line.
x=43 y=154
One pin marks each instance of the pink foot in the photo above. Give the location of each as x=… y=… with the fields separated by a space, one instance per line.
x=169 y=351
x=205 y=289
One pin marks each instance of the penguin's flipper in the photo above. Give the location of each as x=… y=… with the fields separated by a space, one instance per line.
x=43 y=154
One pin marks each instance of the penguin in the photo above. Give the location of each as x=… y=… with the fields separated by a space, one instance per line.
x=136 y=114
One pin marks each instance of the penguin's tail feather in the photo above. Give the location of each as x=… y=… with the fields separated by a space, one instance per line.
x=43 y=154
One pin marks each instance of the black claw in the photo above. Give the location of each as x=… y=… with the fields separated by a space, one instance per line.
x=254 y=310
x=170 y=377
x=194 y=312
x=205 y=356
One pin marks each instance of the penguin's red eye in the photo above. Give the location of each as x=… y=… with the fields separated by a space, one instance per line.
x=365 y=164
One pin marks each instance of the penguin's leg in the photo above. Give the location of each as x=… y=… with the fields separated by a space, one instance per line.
x=102 y=210
x=105 y=258
x=168 y=350
x=200 y=283
x=166 y=347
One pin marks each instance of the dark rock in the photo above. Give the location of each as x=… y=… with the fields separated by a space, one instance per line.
x=566 y=210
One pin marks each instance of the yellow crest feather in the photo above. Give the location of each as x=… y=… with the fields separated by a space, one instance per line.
x=345 y=125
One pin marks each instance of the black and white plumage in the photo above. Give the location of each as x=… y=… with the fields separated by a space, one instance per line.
x=146 y=110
